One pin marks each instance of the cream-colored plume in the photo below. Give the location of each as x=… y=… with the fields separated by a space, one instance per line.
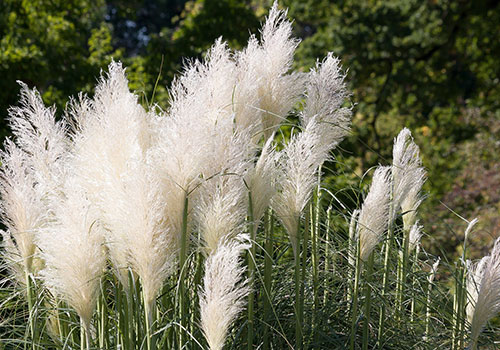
x=112 y=142
x=373 y=218
x=415 y=235
x=224 y=291
x=487 y=302
x=264 y=86
x=261 y=181
x=408 y=177
x=475 y=273
x=325 y=124
x=30 y=174
x=72 y=246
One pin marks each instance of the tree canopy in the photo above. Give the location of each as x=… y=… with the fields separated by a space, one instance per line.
x=433 y=66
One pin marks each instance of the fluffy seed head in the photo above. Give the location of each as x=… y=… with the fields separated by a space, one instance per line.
x=111 y=154
x=408 y=177
x=415 y=235
x=31 y=172
x=223 y=293
x=488 y=296
x=299 y=163
x=326 y=93
x=270 y=91
x=475 y=273
x=72 y=246
x=374 y=213
x=261 y=181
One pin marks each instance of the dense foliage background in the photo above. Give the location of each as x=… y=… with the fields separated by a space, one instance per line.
x=433 y=66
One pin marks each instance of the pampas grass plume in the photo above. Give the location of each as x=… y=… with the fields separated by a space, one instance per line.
x=488 y=296
x=224 y=291
x=374 y=214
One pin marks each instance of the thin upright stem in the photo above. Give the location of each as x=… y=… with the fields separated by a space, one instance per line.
x=403 y=271
x=327 y=253
x=30 y=294
x=387 y=272
x=368 y=301
x=251 y=272
x=314 y=244
x=268 y=265
x=182 y=283
x=298 y=318
x=354 y=305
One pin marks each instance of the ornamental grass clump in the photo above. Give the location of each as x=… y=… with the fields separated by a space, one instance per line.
x=137 y=227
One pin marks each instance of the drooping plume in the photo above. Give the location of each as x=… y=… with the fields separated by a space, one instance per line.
x=475 y=273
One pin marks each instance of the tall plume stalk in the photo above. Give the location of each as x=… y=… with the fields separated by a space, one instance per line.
x=112 y=144
x=72 y=247
x=322 y=129
x=371 y=227
x=408 y=176
x=31 y=171
x=30 y=174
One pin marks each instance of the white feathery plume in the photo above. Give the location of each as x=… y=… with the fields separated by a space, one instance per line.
x=261 y=181
x=22 y=211
x=433 y=272
x=72 y=246
x=31 y=172
x=408 y=177
x=111 y=150
x=220 y=210
x=374 y=214
x=413 y=198
x=475 y=273
x=220 y=205
x=39 y=135
x=415 y=235
x=299 y=163
x=224 y=291
x=136 y=227
x=194 y=140
x=326 y=93
x=325 y=123
x=488 y=297
x=264 y=87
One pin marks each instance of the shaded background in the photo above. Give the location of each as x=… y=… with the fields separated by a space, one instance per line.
x=432 y=65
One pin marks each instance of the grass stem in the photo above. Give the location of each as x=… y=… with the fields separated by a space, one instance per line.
x=354 y=305
x=182 y=283
x=251 y=273
x=367 y=291
x=268 y=266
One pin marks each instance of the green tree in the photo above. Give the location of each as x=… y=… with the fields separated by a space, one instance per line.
x=427 y=65
x=57 y=46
